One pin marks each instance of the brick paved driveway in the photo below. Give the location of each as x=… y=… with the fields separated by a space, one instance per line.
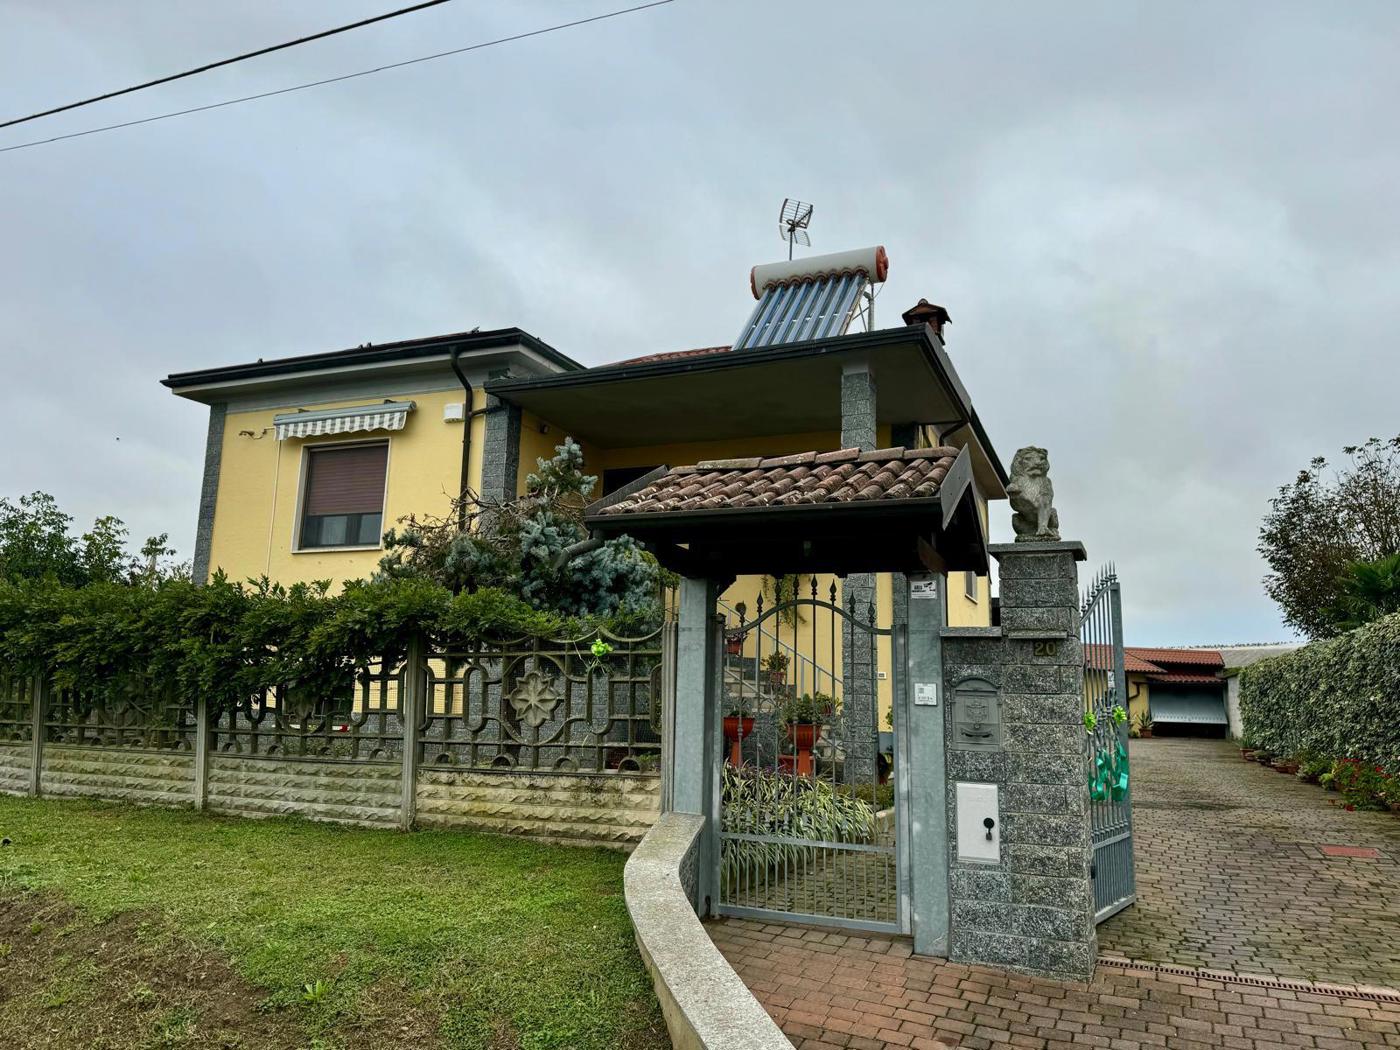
x=829 y=990
x=1231 y=879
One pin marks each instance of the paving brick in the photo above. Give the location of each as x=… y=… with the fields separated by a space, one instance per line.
x=1244 y=896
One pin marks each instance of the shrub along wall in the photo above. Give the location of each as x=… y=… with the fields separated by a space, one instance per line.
x=1337 y=698
x=261 y=700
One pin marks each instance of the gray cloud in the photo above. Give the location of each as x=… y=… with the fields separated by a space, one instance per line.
x=1168 y=234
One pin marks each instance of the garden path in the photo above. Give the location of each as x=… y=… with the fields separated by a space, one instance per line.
x=1232 y=873
x=1269 y=939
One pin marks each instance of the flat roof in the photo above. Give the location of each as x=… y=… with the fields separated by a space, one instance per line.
x=790 y=388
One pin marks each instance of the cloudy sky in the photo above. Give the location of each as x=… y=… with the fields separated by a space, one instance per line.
x=1168 y=234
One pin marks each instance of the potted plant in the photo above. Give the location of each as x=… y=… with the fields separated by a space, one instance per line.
x=802 y=717
x=776 y=664
x=1311 y=769
x=1246 y=745
x=734 y=643
x=737 y=726
x=1286 y=765
x=1144 y=725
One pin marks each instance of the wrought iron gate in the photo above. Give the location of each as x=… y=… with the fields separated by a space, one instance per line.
x=810 y=817
x=1106 y=747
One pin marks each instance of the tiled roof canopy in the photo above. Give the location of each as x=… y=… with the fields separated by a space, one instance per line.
x=1100 y=658
x=805 y=478
x=1192 y=657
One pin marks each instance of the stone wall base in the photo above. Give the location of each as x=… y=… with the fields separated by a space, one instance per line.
x=599 y=810
x=361 y=793
x=153 y=778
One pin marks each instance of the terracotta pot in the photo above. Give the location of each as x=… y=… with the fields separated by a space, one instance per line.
x=804 y=735
x=1147 y=734
x=734 y=644
x=1247 y=753
x=736 y=727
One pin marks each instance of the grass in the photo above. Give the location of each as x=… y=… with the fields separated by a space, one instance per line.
x=341 y=935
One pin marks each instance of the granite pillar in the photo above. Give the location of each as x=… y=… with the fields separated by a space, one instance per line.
x=500 y=450
x=859 y=653
x=1031 y=908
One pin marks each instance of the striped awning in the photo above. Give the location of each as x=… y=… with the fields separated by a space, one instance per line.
x=386 y=415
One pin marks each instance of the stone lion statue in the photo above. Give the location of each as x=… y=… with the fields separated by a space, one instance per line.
x=1032 y=497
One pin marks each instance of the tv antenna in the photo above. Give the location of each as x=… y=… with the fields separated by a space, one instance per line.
x=793 y=221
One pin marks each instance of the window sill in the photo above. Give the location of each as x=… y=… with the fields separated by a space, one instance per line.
x=335 y=550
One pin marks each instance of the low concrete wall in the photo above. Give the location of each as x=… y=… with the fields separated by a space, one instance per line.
x=364 y=793
x=590 y=810
x=14 y=769
x=156 y=778
x=705 y=1004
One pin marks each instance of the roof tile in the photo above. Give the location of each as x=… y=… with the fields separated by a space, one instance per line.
x=805 y=478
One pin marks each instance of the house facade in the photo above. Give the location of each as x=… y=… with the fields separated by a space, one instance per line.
x=310 y=459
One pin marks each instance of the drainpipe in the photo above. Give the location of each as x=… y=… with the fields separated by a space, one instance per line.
x=467 y=416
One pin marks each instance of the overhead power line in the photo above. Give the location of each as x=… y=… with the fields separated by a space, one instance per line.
x=337 y=80
x=224 y=62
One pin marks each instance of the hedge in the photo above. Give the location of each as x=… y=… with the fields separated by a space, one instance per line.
x=1339 y=697
x=227 y=640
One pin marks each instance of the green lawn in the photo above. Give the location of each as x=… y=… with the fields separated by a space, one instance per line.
x=125 y=927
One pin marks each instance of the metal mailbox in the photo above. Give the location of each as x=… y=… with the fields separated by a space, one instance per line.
x=975 y=716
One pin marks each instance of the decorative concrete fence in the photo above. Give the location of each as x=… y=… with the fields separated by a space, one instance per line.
x=538 y=737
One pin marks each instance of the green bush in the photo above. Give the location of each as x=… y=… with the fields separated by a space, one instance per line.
x=228 y=641
x=1338 y=697
x=881 y=796
x=764 y=802
x=1365 y=786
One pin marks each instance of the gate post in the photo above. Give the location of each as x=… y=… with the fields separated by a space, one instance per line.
x=694 y=751
x=201 y=751
x=1021 y=890
x=36 y=739
x=412 y=702
x=923 y=780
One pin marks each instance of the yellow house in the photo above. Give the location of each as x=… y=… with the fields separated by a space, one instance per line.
x=310 y=459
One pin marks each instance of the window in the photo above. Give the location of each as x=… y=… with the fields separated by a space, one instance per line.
x=970 y=585
x=342 y=501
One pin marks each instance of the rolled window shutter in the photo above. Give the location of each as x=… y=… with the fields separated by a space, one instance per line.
x=346 y=480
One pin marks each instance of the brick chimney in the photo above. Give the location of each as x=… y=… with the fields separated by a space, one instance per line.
x=926 y=312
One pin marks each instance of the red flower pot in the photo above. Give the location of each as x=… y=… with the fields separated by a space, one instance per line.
x=734 y=644
x=803 y=736
x=736 y=727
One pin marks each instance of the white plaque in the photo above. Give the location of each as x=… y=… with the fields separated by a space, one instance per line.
x=925 y=694
x=923 y=589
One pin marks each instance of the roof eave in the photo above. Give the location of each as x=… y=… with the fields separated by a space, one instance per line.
x=201 y=381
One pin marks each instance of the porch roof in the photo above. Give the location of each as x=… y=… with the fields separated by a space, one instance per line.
x=790 y=388
x=889 y=510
